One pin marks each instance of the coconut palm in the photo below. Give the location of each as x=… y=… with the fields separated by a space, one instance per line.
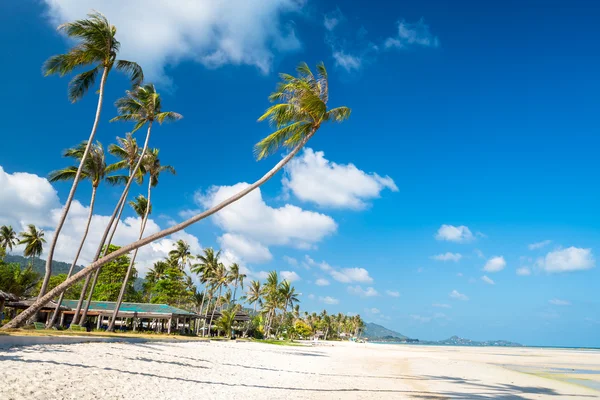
x=227 y=320
x=218 y=279
x=255 y=292
x=209 y=262
x=181 y=254
x=237 y=278
x=33 y=239
x=288 y=295
x=97 y=48
x=300 y=111
x=8 y=237
x=141 y=105
x=95 y=170
x=153 y=168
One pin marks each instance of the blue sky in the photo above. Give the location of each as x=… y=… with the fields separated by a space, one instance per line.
x=481 y=117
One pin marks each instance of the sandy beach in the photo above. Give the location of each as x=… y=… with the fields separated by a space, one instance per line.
x=229 y=370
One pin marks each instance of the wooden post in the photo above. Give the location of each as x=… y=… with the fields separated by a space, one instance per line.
x=99 y=322
x=62 y=319
x=47 y=317
x=169 y=328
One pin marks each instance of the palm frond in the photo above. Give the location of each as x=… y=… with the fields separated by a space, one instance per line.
x=80 y=84
x=275 y=140
x=115 y=180
x=168 y=116
x=135 y=72
x=338 y=114
x=65 y=174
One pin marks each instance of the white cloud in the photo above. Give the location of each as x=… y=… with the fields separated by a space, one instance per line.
x=373 y=310
x=311 y=296
x=539 y=245
x=559 y=302
x=158 y=33
x=523 y=271
x=441 y=305
x=425 y=319
x=347 y=61
x=359 y=291
x=455 y=294
x=479 y=253
x=253 y=218
x=392 y=293
x=290 y=276
x=291 y=261
x=495 y=264
x=311 y=177
x=451 y=233
x=322 y=282
x=249 y=250
x=567 y=260
x=348 y=275
x=329 y=300
x=411 y=35
x=333 y=19
x=487 y=280
x=447 y=257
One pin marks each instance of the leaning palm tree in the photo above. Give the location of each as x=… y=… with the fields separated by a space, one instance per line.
x=8 y=237
x=97 y=48
x=33 y=239
x=300 y=111
x=153 y=167
x=141 y=105
x=95 y=169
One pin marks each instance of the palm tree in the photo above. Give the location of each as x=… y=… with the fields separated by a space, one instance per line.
x=237 y=277
x=218 y=279
x=97 y=47
x=181 y=254
x=153 y=167
x=95 y=170
x=8 y=237
x=209 y=262
x=288 y=295
x=33 y=239
x=272 y=298
x=141 y=105
x=227 y=320
x=301 y=111
x=254 y=295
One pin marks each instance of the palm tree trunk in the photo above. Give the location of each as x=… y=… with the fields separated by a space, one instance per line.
x=85 y=233
x=111 y=325
x=206 y=313
x=94 y=266
x=200 y=311
x=102 y=242
x=63 y=216
x=235 y=290
x=214 y=309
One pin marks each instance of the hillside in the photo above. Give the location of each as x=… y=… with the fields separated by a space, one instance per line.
x=39 y=265
x=374 y=331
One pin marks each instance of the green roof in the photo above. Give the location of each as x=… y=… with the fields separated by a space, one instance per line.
x=140 y=308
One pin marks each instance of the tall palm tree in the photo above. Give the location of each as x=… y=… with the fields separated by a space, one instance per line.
x=141 y=105
x=288 y=295
x=8 y=237
x=153 y=168
x=209 y=262
x=237 y=277
x=272 y=298
x=300 y=112
x=94 y=169
x=218 y=279
x=97 y=48
x=33 y=239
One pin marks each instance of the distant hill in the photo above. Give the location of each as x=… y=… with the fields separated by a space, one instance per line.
x=373 y=331
x=458 y=341
x=39 y=265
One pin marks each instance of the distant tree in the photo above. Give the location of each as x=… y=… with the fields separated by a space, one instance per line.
x=302 y=329
x=20 y=281
x=8 y=237
x=33 y=239
x=111 y=278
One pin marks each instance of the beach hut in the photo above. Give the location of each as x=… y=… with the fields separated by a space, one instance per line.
x=5 y=297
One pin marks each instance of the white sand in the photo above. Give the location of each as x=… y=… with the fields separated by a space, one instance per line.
x=186 y=370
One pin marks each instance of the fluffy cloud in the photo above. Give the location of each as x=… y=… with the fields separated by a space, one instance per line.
x=392 y=293
x=451 y=233
x=455 y=294
x=322 y=282
x=567 y=260
x=347 y=61
x=412 y=35
x=359 y=291
x=559 y=302
x=523 y=271
x=157 y=33
x=329 y=300
x=249 y=250
x=494 y=264
x=291 y=261
x=344 y=275
x=333 y=19
x=373 y=310
x=253 y=218
x=290 y=276
x=311 y=177
x=539 y=245
x=447 y=257
x=487 y=280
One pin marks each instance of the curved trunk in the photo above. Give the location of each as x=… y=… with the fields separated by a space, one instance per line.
x=85 y=233
x=214 y=309
x=21 y=318
x=106 y=231
x=111 y=325
x=65 y=211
